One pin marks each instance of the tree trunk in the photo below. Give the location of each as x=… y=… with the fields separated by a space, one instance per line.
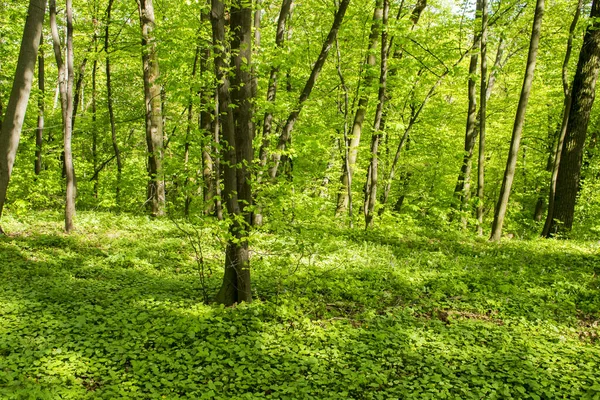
x=582 y=100
x=12 y=121
x=94 y=118
x=361 y=110
x=273 y=80
x=68 y=128
x=263 y=153
x=344 y=108
x=188 y=133
x=482 y=117
x=372 y=175
x=462 y=191
x=563 y=129
x=154 y=118
x=65 y=82
x=39 y=134
x=109 y=103
x=237 y=131
x=286 y=133
x=210 y=177
x=511 y=163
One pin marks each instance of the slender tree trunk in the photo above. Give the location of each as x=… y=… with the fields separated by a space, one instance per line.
x=563 y=129
x=372 y=175
x=216 y=131
x=361 y=110
x=237 y=128
x=511 y=163
x=345 y=108
x=415 y=113
x=462 y=191
x=286 y=133
x=109 y=103
x=12 y=121
x=582 y=100
x=39 y=137
x=188 y=133
x=94 y=118
x=273 y=80
x=66 y=80
x=209 y=165
x=482 y=117
x=78 y=95
x=263 y=153
x=154 y=117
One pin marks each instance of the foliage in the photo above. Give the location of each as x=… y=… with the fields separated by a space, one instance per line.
x=115 y=311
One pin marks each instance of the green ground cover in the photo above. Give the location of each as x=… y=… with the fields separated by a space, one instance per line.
x=116 y=311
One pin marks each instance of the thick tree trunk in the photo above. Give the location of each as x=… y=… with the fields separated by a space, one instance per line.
x=462 y=191
x=237 y=131
x=582 y=100
x=361 y=110
x=154 y=118
x=482 y=117
x=286 y=133
x=563 y=129
x=12 y=121
x=372 y=175
x=39 y=133
x=511 y=163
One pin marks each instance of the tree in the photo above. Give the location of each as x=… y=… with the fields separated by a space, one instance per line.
x=372 y=175
x=13 y=118
x=39 y=137
x=109 y=104
x=154 y=117
x=463 y=186
x=286 y=133
x=361 y=110
x=482 y=116
x=237 y=127
x=65 y=81
x=511 y=163
x=582 y=100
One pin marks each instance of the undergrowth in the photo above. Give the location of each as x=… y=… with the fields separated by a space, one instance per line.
x=116 y=311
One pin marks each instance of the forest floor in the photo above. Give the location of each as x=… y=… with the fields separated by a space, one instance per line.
x=116 y=311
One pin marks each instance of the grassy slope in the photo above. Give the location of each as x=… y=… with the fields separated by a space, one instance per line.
x=116 y=311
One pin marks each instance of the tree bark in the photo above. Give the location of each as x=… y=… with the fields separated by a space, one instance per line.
x=39 y=133
x=273 y=80
x=109 y=103
x=482 y=117
x=582 y=100
x=65 y=82
x=361 y=110
x=563 y=129
x=154 y=117
x=511 y=163
x=237 y=132
x=372 y=175
x=286 y=133
x=462 y=191
x=12 y=121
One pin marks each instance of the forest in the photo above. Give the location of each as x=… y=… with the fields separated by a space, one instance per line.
x=299 y=199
